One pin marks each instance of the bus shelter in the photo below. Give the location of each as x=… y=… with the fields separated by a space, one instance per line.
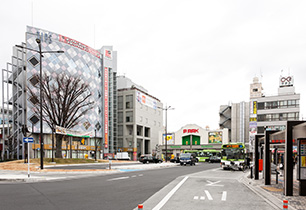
x=280 y=139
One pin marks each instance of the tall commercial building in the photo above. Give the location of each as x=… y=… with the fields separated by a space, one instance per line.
x=140 y=119
x=272 y=112
x=97 y=68
x=235 y=117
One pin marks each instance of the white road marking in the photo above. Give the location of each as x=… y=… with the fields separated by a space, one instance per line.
x=208 y=195
x=196 y=197
x=202 y=198
x=119 y=178
x=224 y=194
x=214 y=184
x=140 y=175
x=168 y=196
x=133 y=176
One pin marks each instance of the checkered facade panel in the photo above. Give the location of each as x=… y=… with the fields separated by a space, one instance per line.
x=77 y=60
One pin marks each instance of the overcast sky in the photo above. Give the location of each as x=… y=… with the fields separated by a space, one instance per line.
x=192 y=55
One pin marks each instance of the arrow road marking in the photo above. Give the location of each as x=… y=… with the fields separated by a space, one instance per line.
x=208 y=195
x=214 y=184
x=224 y=194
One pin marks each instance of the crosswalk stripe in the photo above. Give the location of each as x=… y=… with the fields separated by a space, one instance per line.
x=208 y=195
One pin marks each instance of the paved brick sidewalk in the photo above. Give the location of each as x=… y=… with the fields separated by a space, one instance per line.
x=275 y=191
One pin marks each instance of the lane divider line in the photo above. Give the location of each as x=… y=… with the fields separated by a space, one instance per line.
x=169 y=195
x=119 y=178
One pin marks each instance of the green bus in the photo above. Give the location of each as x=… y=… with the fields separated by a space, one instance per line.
x=232 y=152
x=205 y=154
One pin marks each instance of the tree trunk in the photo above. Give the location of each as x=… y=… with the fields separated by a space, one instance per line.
x=59 y=140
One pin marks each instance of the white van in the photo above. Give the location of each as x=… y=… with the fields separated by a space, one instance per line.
x=122 y=156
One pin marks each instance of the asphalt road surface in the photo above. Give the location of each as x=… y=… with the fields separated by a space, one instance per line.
x=113 y=192
x=210 y=189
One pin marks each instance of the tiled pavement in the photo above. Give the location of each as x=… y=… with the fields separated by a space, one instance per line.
x=275 y=194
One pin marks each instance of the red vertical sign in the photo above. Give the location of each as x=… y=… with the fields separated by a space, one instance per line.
x=106 y=107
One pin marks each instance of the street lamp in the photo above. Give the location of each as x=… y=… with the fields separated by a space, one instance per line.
x=41 y=93
x=95 y=145
x=166 y=134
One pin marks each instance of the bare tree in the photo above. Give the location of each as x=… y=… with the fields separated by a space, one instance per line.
x=66 y=99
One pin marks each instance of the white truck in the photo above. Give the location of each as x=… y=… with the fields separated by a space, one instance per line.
x=122 y=156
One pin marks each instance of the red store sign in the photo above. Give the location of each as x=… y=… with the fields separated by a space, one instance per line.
x=190 y=130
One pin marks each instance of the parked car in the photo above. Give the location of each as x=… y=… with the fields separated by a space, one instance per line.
x=149 y=159
x=214 y=159
x=187 y=158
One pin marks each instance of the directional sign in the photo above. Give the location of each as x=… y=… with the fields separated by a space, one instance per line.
x=28 y=140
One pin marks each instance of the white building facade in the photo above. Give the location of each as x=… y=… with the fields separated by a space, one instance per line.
x=140 y=119
x=193 y=137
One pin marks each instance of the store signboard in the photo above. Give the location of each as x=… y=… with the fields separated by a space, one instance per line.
x=302 y=159
x=215 y=137
x=170 y=138
x=146 y=100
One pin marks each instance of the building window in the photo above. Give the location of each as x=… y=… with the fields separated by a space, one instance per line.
x=120 y=117
x=129 y=116
x=129 y=101
x=261 y=105
x=120 y=130
x=147 y=132
x=120 y=102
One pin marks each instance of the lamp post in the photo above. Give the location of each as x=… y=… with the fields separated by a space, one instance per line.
x=166 y=134
x=41 y=94
x=95 y=145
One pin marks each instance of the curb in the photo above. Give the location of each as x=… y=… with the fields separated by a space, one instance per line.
x=275 y=202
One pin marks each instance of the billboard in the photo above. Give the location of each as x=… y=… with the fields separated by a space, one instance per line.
x=146 y=100
x=215 y=137
x=106 y=107
x=170 y=138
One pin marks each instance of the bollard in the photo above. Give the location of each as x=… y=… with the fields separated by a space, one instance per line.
x=285 y=204
x=251 y=172
x=140 y=207
x=110 y=164
x=276 y=176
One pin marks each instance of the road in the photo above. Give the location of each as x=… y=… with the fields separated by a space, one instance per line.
x=210 y=189
x=115 y=191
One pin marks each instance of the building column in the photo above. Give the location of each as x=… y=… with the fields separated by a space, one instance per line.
x=134 y=142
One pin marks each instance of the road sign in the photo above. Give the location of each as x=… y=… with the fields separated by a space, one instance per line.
x=28 y=140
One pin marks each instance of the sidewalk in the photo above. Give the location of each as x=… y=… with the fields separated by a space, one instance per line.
x=19 y=172
x=274 y=193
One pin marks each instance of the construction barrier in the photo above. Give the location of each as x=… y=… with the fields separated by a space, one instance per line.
x=140 y=207
x=285 y=204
